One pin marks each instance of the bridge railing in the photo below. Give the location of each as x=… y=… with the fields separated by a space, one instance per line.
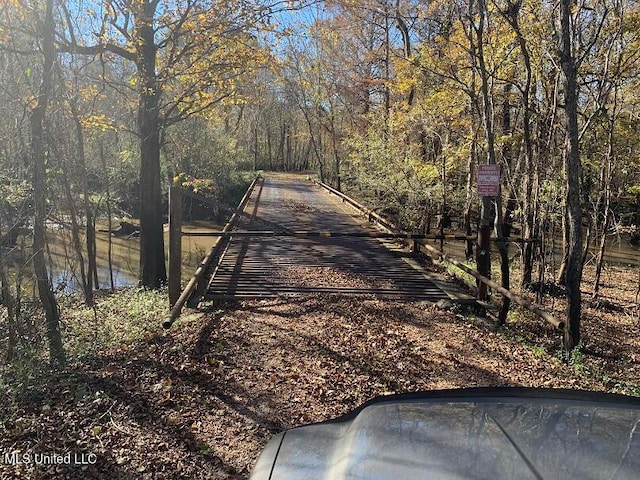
x=420 y=245
x=196 y=286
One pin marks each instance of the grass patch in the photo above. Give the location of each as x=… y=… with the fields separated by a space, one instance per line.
x=537 y=349
x=122 y=317
x=116 y=319
x=626 y=388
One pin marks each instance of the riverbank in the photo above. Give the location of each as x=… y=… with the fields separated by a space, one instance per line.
x=203 y=398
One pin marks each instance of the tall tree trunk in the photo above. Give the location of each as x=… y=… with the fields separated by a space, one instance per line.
x=107 y=182
x=153 y=272
x=75 y=234
x=39 y=156
x=602 y=246
x=387 y=68
x=289 y=151
x=512 y=14
x=255 y=145
x=269 y=152
x=483 y=245
x=573 y=168
x=471 y=163
x=90 y=233
x=406 y=43
x=281 y=142
x=562 y=271
x=606 y=186
x=589 y=236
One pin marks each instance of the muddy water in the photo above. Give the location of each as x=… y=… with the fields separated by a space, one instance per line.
x=618 y=251
x=125 y=256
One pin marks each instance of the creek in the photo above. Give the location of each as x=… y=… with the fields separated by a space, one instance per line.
x=618 y=251
x=65 y=274
x=125 y=256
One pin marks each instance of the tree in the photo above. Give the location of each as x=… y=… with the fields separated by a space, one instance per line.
x=511 y=11
x=187 y=59
x=572 y=174
x=39 y=158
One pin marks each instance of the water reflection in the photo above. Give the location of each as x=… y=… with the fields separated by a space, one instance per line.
x=618 y=251
x=125 y=256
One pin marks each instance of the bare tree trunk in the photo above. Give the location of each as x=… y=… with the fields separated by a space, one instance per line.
x=542 y=261
x=107 y=182
x=512 y=15
x=175 y=243
x=406 y=43
x=387 y=68
x=588 y=239
x=487 y=217
x=281 y=142
x=606 y=186
x=573 y=168
x=602 y=247
x=443 y=217
x=90 y=233
x=9 y=301
x=153 y=271
x=315 y=143
x=562 y=271
x=487 y=214
x=75 y=235
x=471 y=163
x=288 y=151
x=39 y=155
x=255 y=145
x=269 y=152
x=336 y=153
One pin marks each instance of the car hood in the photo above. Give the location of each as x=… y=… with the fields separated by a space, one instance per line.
x=466 y=434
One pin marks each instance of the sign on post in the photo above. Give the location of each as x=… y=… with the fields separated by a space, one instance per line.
x=488 y=180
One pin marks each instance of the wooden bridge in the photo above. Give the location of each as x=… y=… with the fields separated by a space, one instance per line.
x=290 y=236
x=293 y=236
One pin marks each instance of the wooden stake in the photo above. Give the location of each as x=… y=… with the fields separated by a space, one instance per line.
x=175 y=243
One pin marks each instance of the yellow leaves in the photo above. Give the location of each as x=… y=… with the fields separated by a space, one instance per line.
x=31 y=100
x=426 y=171
x=213 y=70
x=99 y=122
x=407 y=77
x=194 y=184
x=90 y=92
x=330 y=36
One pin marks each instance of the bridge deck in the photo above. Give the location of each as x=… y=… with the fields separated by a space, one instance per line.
x=257 y=267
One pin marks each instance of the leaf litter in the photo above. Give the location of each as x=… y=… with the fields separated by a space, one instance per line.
x=202 y=400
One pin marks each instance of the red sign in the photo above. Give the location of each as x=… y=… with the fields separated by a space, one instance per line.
x=488 y=180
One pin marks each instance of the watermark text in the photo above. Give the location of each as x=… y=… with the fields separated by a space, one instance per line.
x=52 y=458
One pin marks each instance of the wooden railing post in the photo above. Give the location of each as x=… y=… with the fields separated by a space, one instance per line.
x=175 y=243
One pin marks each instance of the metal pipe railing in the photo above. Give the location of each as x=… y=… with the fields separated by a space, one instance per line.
x=329 y=233
x=195 y=284
x=487 y=281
